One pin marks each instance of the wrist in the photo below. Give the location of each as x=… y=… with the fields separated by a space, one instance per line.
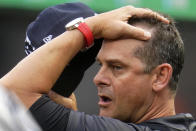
x=95 y=28
x=87 y=33
x=81 y=25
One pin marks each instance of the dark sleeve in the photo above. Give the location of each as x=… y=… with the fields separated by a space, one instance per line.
x=49 y=115
x=54 y=117
x=81 y=122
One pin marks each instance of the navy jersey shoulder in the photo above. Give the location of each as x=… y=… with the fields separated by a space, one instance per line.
x=50 y=115
x=81 y=122
x=54 y=117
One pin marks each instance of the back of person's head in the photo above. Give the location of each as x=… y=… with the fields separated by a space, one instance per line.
x=165 y=46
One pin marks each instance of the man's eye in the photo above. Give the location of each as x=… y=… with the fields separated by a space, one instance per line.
x=116 y=67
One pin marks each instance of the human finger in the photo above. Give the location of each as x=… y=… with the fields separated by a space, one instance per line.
x=67 y=102
x=143 y=12
x=135 y=32
x=73 y=97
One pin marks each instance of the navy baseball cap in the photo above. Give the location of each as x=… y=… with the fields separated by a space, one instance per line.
x=49 y=24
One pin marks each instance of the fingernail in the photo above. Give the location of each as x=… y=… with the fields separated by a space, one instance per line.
x=166 y=20
x=147 y=34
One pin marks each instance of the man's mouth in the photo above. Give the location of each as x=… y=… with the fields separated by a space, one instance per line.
x=104 y=101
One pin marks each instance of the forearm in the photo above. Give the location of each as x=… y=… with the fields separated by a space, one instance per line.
x=46 y=63
x=37 y=73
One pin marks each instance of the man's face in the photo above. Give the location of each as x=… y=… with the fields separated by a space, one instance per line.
x=124 y=90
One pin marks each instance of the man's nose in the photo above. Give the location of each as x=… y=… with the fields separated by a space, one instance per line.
x=102 y=78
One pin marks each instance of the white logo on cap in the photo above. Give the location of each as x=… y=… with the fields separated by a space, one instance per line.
x=27 y=39
x=28 y=46
x=47 y=39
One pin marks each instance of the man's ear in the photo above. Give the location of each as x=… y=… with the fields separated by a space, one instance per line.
x=161 y=76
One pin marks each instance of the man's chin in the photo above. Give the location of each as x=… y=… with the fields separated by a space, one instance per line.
x=105 y=113
x=108 y=113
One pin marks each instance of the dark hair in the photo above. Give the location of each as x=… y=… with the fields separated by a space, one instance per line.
x=165 y=46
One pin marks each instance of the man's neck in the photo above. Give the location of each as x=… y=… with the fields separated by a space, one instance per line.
x=159 y=108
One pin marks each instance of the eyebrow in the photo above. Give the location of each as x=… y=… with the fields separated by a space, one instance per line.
x=112 y=61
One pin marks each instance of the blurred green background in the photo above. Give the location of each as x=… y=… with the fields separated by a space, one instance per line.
x=16 y=15
x=181 y=9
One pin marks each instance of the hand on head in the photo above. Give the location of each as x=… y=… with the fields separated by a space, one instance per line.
x=113 y=24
